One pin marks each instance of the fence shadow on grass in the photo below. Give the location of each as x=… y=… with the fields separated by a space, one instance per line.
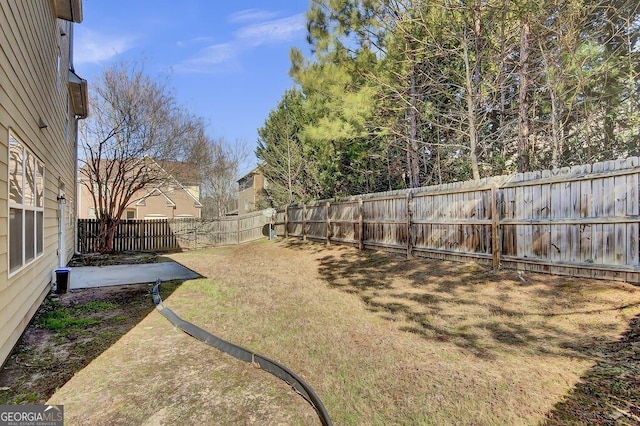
x=490 y=314
x=486 y=314
x=68 y=332
x=609 y=393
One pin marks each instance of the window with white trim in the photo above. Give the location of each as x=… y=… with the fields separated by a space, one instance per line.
x=26 y=206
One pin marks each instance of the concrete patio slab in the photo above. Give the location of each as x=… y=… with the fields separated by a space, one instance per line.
x=104 y=276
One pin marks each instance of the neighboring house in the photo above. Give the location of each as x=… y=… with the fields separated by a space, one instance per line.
x=177 y=195
x=251 y=190
x=41 y=100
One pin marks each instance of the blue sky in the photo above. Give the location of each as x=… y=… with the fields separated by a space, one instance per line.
x=228 y=62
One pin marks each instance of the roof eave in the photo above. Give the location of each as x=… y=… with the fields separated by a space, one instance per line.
x=69 y=10
x=78 y=90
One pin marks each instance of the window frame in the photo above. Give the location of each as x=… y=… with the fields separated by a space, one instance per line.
x=33 y=202
x=59 y=71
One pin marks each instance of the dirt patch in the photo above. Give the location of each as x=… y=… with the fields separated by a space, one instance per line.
x=66 y=334
x=130 y=258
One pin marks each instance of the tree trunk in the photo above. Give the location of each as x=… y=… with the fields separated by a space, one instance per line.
x=524 y=163
x=289 y=177
x=412 y=145
x=108 y=229
x=556 y=131
x=112 y=235
x=472 y=122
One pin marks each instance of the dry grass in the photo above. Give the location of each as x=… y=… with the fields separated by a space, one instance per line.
x=67 y=332
x=381 y=339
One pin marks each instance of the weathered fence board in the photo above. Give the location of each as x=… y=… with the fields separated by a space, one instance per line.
x=315 y=222
x=581 y=221
x=343 y=222
x=174 y=234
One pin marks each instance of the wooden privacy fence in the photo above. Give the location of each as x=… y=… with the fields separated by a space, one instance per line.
x=579 y=221
x=174 y=234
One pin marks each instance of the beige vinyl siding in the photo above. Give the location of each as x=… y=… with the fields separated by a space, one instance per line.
x=4 y=206
x=193 y=190
x=18 y=304
x=29 y=40
x=156 y=204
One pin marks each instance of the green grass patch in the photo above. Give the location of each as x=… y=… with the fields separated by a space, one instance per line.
x=167 y=288
x=23 y=398
x=60 y=319
x=64 y=319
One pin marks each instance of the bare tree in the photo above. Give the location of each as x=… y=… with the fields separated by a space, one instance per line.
x=219 y=176
x=136 y=125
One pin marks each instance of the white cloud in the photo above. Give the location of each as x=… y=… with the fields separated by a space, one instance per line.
x=247 y=37
x=215 y=58
x=95 y=48
x=216 y=54
x=197 y=40
x=251 y=15
x=276 y=31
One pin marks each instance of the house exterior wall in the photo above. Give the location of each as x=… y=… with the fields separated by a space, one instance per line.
x=85 y=202
x=258 y=185
x=194 y=190
x=34 y=63
x=250 y=190
x=246 y=200
x=154 y=206
x=158 y=205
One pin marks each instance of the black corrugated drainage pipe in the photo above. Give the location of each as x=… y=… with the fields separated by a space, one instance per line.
x=270 y=366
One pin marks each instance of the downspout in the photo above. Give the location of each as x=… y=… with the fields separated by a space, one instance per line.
x=78 y=209
x=75 y=150
x=61 y=233
x=78 y=200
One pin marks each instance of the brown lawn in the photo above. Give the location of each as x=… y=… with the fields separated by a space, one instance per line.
x=381 y=339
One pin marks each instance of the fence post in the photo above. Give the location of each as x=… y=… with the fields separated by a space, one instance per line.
x=304 y=222
x=238 y=230
x=495 y=225
x=286 y=221
x=195 y=238
x=360 y=224
x=409 y=227
x=327 y=206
